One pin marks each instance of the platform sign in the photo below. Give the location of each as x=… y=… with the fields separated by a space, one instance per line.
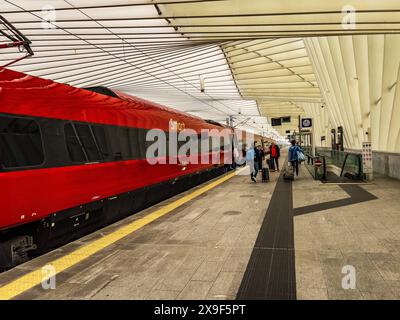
x=367 y=159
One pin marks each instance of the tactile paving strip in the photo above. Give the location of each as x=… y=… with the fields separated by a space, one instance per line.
x=357 y=195
x=270 y=273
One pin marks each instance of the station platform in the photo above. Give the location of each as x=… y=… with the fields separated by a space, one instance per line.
x=231 y=238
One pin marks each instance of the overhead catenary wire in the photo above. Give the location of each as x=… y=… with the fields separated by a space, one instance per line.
x=182 y=53
x=204 y=102
x=162 y=58
x=190 y=84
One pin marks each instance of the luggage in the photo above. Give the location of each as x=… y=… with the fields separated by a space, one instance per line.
x=271 y=164
x=288 y=174
x=265 y=175
x=300 y=156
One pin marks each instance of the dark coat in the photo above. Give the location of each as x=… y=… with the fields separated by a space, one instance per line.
x=258 y=156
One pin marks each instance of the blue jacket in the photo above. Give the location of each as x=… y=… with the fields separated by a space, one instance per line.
x=293 y=153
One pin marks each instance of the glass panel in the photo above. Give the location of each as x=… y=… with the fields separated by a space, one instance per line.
x=20 y=142
x=88 y=142
x=101 y=141
x=75 y=150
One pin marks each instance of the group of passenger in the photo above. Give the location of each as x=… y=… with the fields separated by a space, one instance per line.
x=257 y=158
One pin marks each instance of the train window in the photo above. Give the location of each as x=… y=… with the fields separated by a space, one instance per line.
x=115 y=149
x=186 y=146
x=214 y=144
x=222 y=143
x=88 y=141
x=204 y=144
x=101 y=141
x=20 y=143
x=92 y=143
x=124 y=142
x=134 y=143
x=75 y=148
x=85 y=143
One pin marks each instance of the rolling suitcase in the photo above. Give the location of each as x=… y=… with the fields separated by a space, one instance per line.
x=265 y=175
x=289 y=173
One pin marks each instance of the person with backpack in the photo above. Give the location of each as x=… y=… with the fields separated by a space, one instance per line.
x=296 y=155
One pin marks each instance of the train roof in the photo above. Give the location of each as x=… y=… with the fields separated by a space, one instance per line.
x=24 y=94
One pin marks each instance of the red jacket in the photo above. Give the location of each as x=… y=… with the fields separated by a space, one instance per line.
x=277 y=150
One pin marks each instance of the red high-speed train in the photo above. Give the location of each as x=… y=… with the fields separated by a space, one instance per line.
x=73 y=160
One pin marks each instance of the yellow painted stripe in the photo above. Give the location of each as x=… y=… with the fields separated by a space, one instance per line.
x=36 y=277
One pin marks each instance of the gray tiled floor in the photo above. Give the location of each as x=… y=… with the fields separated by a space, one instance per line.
x=364 y=235
x=201 y=249
x=198 y=251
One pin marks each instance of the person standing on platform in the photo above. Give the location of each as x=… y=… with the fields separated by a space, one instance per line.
x=293 y=156
x=275 y=154
x=257 y=155
x=250 y=156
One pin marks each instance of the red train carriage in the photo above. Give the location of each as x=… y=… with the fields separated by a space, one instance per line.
x=73 y=160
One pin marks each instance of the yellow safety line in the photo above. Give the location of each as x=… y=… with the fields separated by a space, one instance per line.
x=37 y=276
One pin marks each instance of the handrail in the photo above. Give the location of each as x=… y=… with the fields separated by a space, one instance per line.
x=359 y=174
x=343 y=159
x=344 y=164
